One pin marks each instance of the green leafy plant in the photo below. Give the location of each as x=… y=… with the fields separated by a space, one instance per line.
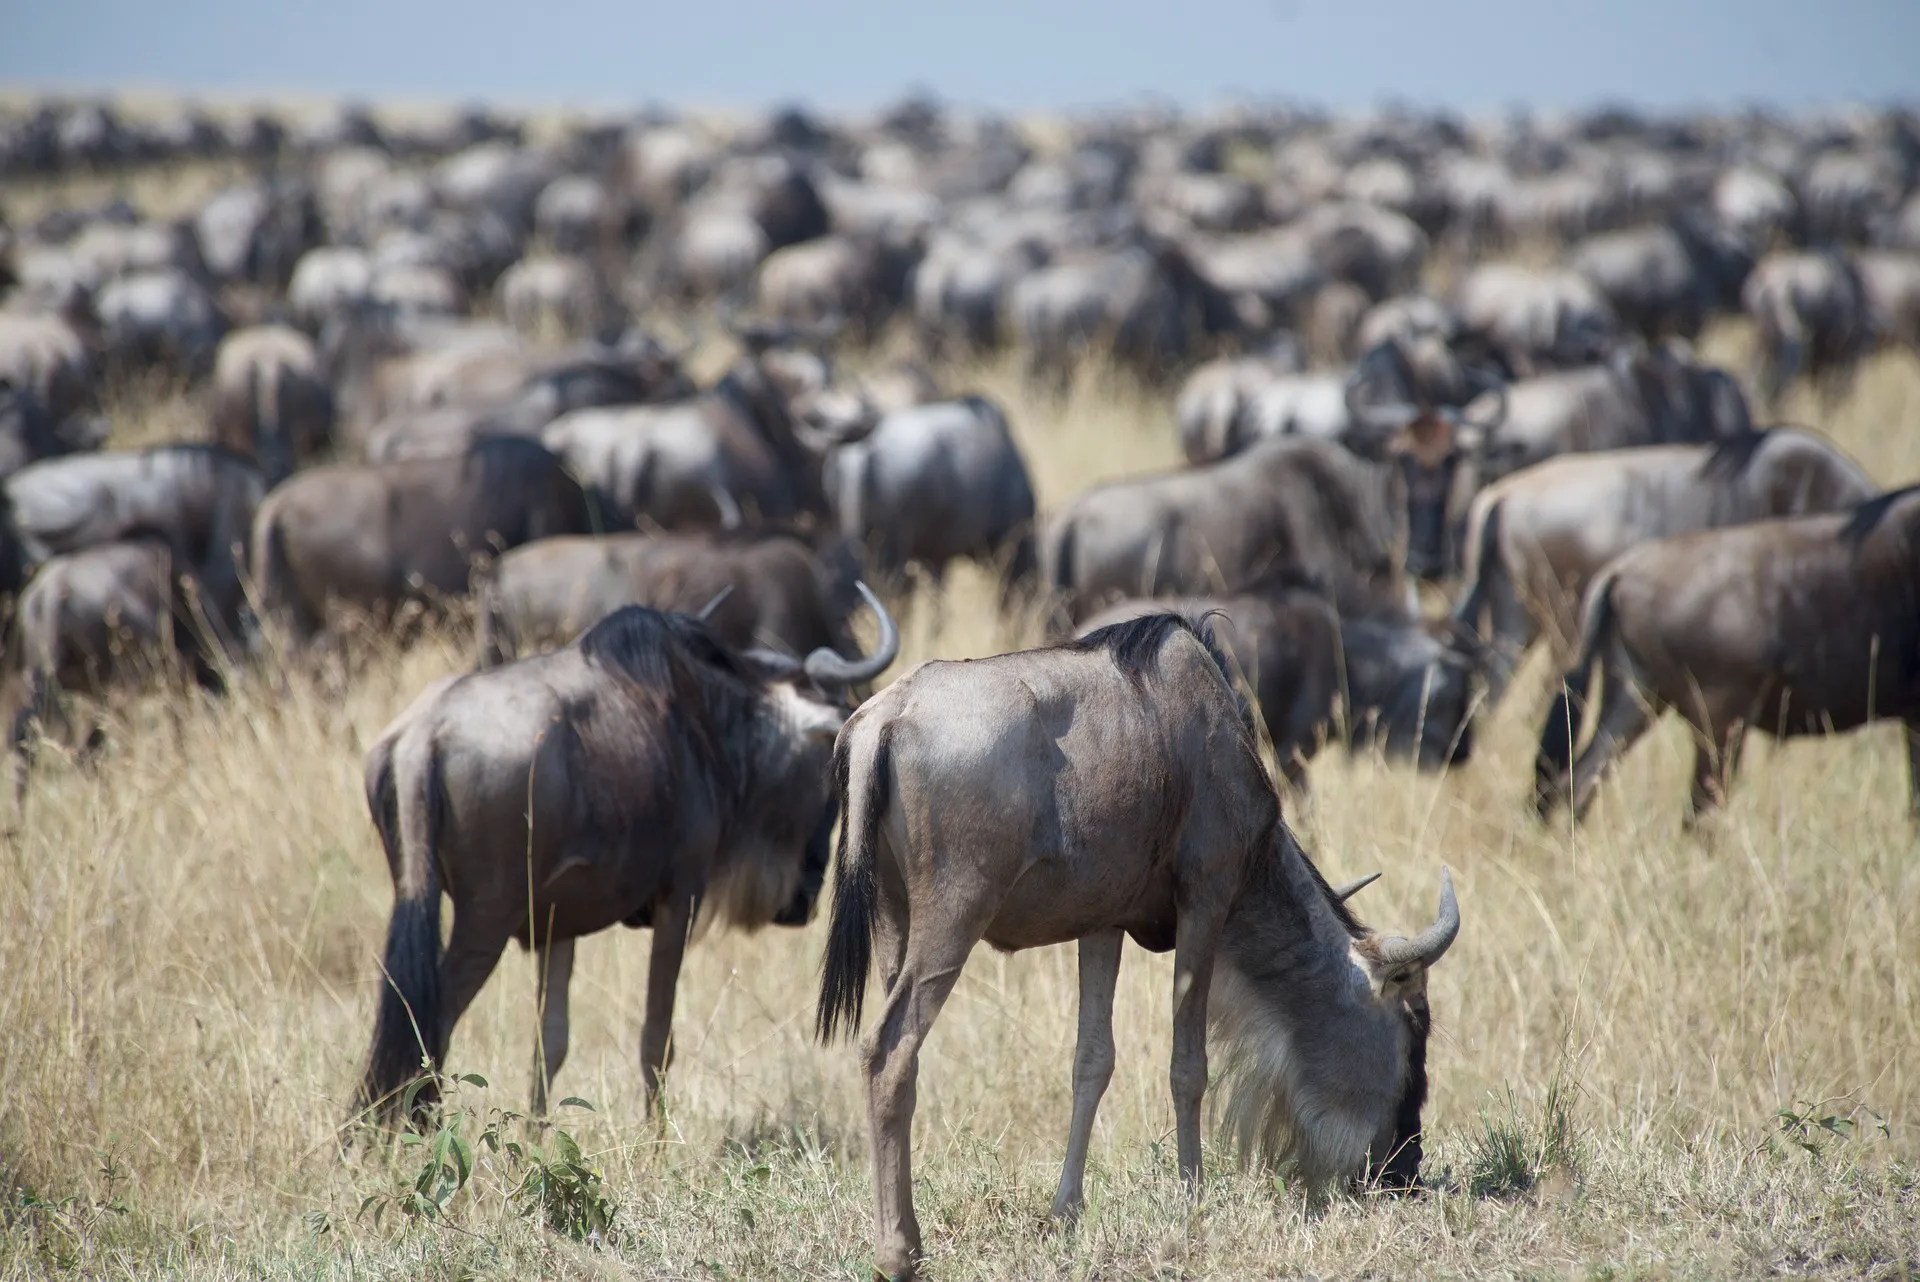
x=1810 y=1127
x=475 y=1149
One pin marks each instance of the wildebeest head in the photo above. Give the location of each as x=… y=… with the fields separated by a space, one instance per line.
x=1424 y=440
x=1410 y=687
x=1397 y=971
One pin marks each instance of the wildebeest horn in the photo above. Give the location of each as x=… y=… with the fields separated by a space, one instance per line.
x=1352 y=888
x=730 y=518
x=1395 y=414
x=1431 y=944
x=706 y=611
x=827 y=669
x=1486 y=381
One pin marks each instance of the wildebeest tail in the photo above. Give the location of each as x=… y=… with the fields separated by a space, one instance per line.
x=1564 y=716
x=1486 y=562
x=856 y=886
x=406 y=810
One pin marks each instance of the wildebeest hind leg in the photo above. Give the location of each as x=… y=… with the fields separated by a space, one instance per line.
x=473 y=950
x=891 y=1060
x=1092 y=1060
x=553 y=964
x=1625 y=715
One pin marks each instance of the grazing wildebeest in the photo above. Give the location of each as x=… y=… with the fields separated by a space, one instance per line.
x=270 y=398
x=1639 y=396
x=376 y=535
x=1108 y=787
x=163 y=319
x=103 y=617
x=1211 y=402
x=1802 y=626
x=1813 y=318
x=648 y=774
x=1287 y=502
x=781 y=594
x=1536 y=538
x=933 y=484
x=1406 y=684
x=703 y=461
x=199 y=500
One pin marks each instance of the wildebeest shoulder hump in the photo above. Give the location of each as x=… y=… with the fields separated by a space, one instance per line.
x=1868 y=515
x=1731 y=455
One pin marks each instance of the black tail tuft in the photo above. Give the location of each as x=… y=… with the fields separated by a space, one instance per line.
x=1486 y=562
x=843 y=983
x=1558 y=734
x=407 y=1022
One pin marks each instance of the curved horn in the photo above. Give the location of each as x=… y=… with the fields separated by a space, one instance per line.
x=1431 y=944
x=706 y=611
x=723 y=503
x=1342 y=894
x=1396 y=414
x=1486 y=381
x=828 y=670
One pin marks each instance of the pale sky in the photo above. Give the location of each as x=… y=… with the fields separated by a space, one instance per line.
x=1473 y=55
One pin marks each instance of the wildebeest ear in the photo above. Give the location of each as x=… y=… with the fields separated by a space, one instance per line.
x=770 y=665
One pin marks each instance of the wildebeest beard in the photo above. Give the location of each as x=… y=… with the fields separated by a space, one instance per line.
x=1400 y=1171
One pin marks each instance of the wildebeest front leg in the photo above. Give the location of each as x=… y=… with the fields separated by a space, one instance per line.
x=1714 y=764
x=670 y=923
x=1195 y=940
x=1092 y=1060
x=553 y=963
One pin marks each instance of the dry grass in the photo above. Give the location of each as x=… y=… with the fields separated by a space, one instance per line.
x=188 y=934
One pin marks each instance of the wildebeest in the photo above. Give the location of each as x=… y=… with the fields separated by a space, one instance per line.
x=1804 y=626
x=1638 y=396
x=1109 y=787
x=648 y=774
x=1535 y=319
x=28 y=432
x=48 y=355
x=780 y=593
x=103 y=617
x=1812 y=316
x=1303 y=504
x=1403 y=683
x=1536 y=538
x=374 y=536
x=1666 y=280
x=270 y=398
x=933 y=484
x=199 y=500
x=164 y=319
x=738 y=448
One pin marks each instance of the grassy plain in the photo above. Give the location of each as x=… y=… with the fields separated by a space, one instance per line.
x=1657 y=1054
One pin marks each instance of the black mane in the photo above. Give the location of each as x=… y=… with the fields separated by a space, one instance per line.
x=1865 y=517
x=1732 y=455
x=638 y=642
x=1134 y=642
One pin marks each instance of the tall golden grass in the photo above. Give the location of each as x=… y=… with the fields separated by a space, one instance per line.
x=1657 y=1054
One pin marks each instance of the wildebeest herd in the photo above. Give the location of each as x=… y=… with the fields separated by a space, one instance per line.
x=450 y=367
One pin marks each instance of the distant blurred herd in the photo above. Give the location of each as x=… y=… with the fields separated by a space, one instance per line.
x=421 y=344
